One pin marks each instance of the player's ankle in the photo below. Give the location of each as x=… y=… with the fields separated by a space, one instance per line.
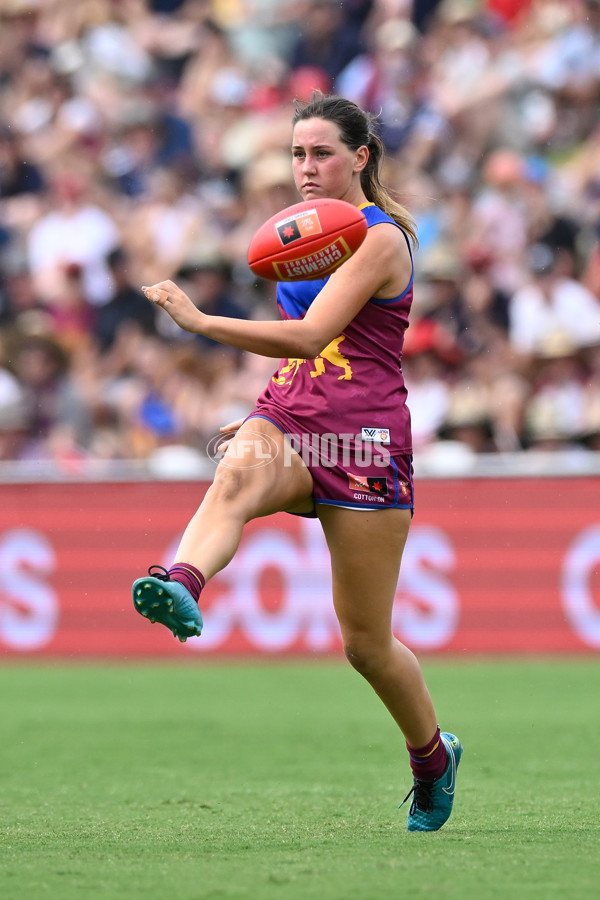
x=189 y=576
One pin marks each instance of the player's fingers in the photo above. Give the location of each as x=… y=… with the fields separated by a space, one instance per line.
x=155 y=294
x=231 y=426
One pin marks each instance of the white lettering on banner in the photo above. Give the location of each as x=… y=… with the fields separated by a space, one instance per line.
x=431 y=623
x=28 y=607
x=304 y=612
x=582 y=557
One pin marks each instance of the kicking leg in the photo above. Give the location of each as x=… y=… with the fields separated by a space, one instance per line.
x=260 y=474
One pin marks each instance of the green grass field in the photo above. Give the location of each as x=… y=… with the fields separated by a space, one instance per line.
x=282 y=780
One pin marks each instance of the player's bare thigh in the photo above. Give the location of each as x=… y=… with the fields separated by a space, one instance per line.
x=366 y=549
x=264 y=471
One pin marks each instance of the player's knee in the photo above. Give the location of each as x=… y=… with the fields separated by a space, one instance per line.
x=239 y=489
x=363 y=653
x=227 y=485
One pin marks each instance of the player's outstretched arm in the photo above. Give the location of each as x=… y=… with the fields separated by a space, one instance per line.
x=345 y=293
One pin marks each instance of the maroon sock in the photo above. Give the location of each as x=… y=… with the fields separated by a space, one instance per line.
x=429 y=762
x=189 y=576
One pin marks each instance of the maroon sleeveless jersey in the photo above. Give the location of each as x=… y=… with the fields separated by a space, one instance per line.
x=355 y=386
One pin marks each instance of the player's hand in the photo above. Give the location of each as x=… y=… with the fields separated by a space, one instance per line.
x=230 y=429
x=177 y=303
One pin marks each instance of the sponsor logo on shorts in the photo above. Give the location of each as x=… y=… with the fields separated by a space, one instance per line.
x=378 y=435
x=368 y=484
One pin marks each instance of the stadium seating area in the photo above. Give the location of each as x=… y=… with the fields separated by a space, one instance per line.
x=147 y=139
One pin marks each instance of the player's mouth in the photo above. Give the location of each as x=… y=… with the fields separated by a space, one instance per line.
x=310 y=187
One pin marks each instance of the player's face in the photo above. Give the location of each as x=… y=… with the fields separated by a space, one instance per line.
x=323 y=165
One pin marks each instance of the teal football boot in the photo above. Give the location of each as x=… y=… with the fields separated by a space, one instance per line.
x=432 y=800
x=161 y=600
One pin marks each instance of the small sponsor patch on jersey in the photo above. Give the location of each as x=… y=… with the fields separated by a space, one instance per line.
x=371 y=485
x=301 y=225
x=378 y=435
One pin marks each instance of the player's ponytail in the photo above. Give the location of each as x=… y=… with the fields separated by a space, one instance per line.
x=379 y=195
x=357 y=129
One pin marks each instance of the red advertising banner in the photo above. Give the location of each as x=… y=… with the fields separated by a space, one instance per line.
x=509 y=565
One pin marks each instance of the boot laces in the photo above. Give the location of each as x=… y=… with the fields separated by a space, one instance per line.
x=162 y=574
x=422 y=799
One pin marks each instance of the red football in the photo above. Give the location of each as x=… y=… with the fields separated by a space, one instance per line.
x=306 y=241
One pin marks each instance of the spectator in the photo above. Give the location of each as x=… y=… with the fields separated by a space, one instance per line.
x=54 y=401
x=326 y=39
x=550 y=304
x=442 y=272
x=497 y=223
x=18 y=176
x=427 y=365
x=77 y=231
x=126 y=305
x=388 y=82
x=165 y=224
x=71 y=318
x=554 y=415
x=209 y=283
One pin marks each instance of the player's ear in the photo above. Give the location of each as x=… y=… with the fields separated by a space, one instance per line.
x=361 y=158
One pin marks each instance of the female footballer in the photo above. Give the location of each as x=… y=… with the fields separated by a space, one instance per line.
x=340 y=341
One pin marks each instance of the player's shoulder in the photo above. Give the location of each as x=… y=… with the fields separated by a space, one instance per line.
x=389 y=250
x=375 y=215
x=393 y=237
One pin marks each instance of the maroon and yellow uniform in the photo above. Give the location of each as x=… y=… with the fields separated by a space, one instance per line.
x=345 y=411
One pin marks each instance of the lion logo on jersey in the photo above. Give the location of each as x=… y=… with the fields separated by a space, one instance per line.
x=330 y=354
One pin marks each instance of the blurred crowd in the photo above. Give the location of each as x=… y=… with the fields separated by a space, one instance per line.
x=147 y=139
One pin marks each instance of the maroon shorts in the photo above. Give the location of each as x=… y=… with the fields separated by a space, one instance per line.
x=348 y=471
